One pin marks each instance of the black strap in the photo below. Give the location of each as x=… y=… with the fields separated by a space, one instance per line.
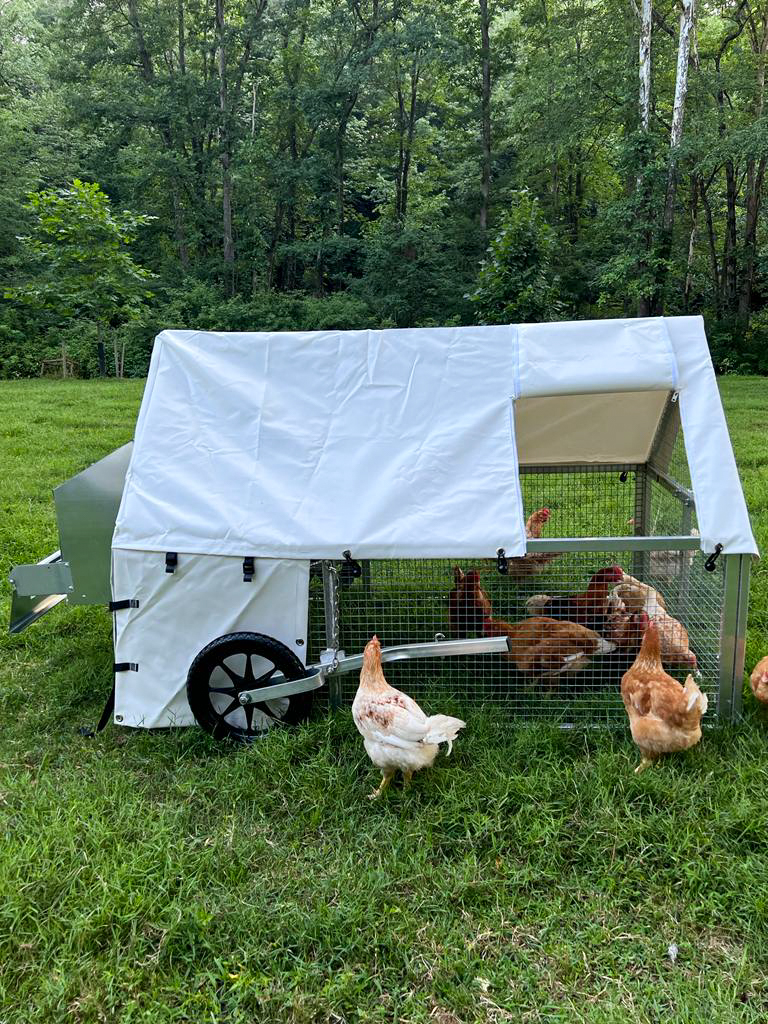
x=125 y=666
x=171 y=561
x=117 y=606
x=249 y=569
x=106 y=714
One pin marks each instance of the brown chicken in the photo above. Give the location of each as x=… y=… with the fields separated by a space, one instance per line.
x=535 y=561
x=626 y=631
x=540 y=647
x=759 y=680
x=664 y=716
x=638 y=597
x=468 y=604
x=590 y=609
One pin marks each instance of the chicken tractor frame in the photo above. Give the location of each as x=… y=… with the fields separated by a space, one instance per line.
x=244 y=590
x=408 y=599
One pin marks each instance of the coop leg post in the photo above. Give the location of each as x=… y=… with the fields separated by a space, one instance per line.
x=733 y=636
x=331 y=611
x=641 y=559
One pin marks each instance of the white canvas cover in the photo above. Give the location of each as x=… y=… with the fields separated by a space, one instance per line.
x=180 y=612
x=402 y=443
x=301 y=445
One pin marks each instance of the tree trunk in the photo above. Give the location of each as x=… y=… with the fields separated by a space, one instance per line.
x=675 y=138
x=755 y=178
x=225 y=149
x=407 y=124
x=148 y=75
x=646 y=30
x=753 y=195
x=182 y=37
x=100 y=350
x=691 y=244
x=729 y=276
x=712 y=245
x=644 y=302
x=678 y=112
x=485 y=111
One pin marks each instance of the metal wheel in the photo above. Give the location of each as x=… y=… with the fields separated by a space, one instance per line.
x=232 y=664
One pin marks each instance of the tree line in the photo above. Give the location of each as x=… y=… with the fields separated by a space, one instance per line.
x=278 y=164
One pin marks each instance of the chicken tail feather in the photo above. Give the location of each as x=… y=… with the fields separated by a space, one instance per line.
x=443 y=729
x=694 y=695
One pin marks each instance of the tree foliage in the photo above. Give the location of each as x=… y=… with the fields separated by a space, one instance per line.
x=517 y=282
x=77 y=261
x=386 y=159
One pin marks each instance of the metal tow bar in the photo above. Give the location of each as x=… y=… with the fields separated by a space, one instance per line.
x=316 y=674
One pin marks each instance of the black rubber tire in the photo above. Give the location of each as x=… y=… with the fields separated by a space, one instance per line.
x=203 y=697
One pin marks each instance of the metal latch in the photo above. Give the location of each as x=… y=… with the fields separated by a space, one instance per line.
x=502 y=562
x=709 y=565
x=350 y=569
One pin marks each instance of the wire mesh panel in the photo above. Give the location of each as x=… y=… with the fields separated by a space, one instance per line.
x=570 y=671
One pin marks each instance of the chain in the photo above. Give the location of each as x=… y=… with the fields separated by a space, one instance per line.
x=335 y=642
x=332 y=614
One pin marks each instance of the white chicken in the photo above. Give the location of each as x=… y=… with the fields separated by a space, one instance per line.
x=398 y=736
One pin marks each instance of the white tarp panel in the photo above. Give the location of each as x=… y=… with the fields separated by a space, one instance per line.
x=392 y=443
x=402 y=443
x=720 y=506
x=593 y=356
x=179 y=613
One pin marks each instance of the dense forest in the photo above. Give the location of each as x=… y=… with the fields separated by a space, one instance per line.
x=283 y=164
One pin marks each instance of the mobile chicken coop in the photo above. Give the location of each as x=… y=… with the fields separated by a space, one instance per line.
x=288 y=495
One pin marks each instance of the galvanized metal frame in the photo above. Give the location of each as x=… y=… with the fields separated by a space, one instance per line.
x=675 y=488
x=27 y=607
x=642 y=518
x=317 y=674
x=51 y=576
x=724 y=633
x=668 y=543
x=733 y=634
x=593 y=467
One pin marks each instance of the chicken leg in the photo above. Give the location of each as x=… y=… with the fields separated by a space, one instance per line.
x=385 y=781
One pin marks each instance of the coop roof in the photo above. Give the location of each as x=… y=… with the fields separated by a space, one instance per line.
x=405 y=443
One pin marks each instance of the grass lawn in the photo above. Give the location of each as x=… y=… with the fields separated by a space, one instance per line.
x=530 y=877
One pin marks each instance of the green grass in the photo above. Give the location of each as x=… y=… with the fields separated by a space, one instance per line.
x=530 y=877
